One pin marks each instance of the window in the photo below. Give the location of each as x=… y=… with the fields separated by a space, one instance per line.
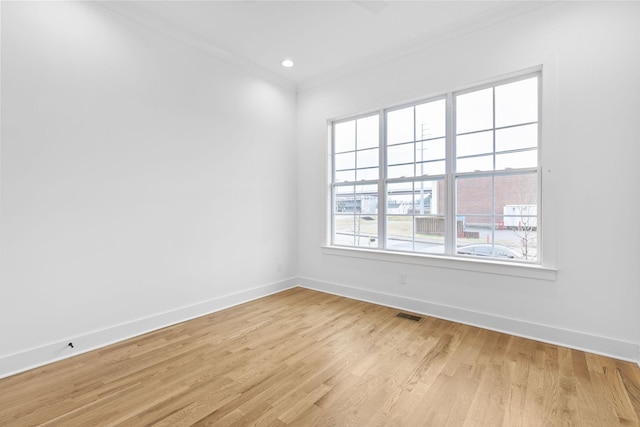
x=416 y=166
x=356 y=174
x=454 y=175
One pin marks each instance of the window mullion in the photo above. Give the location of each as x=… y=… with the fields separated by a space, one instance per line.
x=332 y=198
x=382 y=175
x=449 y=182
x=413 y=185
x=354 y=224
x=493 y=177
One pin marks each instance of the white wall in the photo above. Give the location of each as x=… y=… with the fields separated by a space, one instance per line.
x=591 y=62
x=141 y=179
x=128 y=160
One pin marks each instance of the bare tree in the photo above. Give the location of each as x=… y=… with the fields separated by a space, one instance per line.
x=526 y=231
x=521 y=217
x=357 y=225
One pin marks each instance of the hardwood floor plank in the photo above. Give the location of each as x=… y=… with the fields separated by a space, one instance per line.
x=533 y=412
x=631 y=380
x=551 y=388
x=589 y=397
x=617 y=396
x=516 y=402
x=306 y=358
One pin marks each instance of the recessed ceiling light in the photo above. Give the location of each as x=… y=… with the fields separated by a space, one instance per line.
x=287 y=63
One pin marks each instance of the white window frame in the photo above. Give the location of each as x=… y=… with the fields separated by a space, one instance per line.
x=450 y=259
x=454 y=175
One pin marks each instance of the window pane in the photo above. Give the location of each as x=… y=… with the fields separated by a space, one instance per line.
x=345 y=136
x=400 y=171
x=398 y=154
x=355 y=221
x=520 y=159
x=344 y=189
x=430 y=150
x=399 y=218
x=366 y=231
x=368 y=158
x=429 y=234
x=399 y=233
x=422 y=197
x=345 y=176
x=431 y=120
x=517 y=138
x=474 y=143
x=481 y=236
x=501 y=221
x=517 y=102
x=399 y=198
x=344 y=226
x=474 y=111
x=411 y=226
x=474 y=195
x=472 y=229
x=517 y=191
x=367 y=199
x=489 y=242
x=368 y=132
x=519 y=221
x=344 y=200
x=430 y=168
x=429 y=247
x=345 y=161
x=476 y=250
x=476 y=240
x=400 y=126
x=367 y=174
x=472 y=164
x=521 y=239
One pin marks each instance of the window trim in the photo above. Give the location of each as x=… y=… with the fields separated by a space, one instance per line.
x=483 y=265
x=514 y=77
x=538 y=269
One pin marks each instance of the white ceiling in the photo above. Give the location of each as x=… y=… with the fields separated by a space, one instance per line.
x=324 y=38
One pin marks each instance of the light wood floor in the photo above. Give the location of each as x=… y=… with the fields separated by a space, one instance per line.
x=307 y=358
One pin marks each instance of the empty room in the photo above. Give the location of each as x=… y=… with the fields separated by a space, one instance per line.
x=319 y=213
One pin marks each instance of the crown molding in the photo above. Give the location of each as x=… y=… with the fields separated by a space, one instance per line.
x=124 y=10
x=480 y=22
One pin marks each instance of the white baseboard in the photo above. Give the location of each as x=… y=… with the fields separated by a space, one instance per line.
x=577 y=340
x=43 y=355
x=33 y=358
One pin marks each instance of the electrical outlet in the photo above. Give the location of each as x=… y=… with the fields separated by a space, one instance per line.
x=403 y=278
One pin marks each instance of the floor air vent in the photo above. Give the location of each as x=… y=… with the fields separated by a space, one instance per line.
x=409 y=316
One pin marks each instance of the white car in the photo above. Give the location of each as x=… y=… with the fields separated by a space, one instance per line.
x=489 y=250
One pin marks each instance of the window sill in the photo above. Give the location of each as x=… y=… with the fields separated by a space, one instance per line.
x=530 y=271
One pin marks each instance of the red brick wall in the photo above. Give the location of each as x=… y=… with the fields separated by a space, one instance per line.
x=474 y=195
